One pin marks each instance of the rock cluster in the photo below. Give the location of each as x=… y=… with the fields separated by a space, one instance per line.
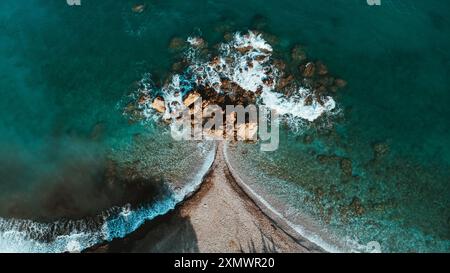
x=242 y=73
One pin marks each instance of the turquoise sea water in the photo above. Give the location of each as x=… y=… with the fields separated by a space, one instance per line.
x=66 y=73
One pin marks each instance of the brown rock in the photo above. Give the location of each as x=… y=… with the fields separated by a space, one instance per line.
x=308 y=70
x=245 y=49
x=143 y=99
x=191 y=98
x=159 y=105
x=283 y=82
x=260 y=58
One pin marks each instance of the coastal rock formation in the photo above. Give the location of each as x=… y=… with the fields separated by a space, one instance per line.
x=242 y=72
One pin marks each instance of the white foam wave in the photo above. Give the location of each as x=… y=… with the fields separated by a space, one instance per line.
x=26 y=236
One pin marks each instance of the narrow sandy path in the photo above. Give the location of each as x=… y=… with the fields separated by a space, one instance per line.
x=220 y=217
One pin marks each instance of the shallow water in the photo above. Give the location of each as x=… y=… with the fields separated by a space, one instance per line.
x=67 y=72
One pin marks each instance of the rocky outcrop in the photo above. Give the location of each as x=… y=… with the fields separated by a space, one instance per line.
x=159 y=105
x=242 y=71
x=308 y=70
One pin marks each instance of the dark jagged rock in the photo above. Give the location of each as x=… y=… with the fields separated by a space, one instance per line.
x=284 y=82
x=308 y=70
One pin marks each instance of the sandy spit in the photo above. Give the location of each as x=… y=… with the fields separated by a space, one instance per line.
x=220 y=217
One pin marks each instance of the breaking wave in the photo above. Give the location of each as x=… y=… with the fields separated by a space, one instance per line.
x=76 y=235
